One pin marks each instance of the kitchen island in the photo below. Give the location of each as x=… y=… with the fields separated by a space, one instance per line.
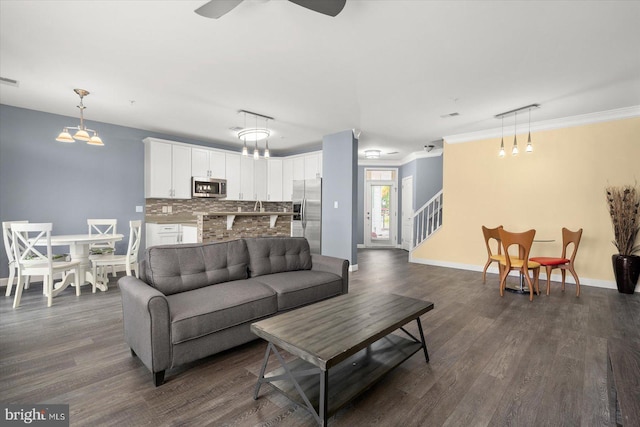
x=220 y=226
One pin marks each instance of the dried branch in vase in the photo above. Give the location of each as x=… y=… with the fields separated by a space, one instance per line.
x=624 y=209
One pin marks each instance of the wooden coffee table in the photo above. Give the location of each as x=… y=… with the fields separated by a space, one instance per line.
x=343 y=346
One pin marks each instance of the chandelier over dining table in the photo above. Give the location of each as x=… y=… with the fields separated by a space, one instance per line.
x=82 y=132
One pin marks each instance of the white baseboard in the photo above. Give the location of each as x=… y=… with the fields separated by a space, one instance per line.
x=584 y=281
x=353 y=267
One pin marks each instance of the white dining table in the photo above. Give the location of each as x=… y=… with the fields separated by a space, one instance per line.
x=79 y=249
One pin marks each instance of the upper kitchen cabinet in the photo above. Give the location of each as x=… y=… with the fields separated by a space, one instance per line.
x=274 y=180
x=167 y=170
x=313 y=166
x=260 y=179
x=208 y=163
x=287 y=179
x=240 y=177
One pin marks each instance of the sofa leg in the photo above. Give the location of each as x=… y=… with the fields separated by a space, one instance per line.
x=133 y=353
x=158 y=378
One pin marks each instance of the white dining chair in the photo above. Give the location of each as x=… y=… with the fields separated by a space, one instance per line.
x=128 y=260
x=31 y=261
x=8 y=248
x=102 y=227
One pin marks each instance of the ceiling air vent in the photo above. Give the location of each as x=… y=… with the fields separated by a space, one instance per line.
x=236 y=128
x=444 y=116
x=10 y=82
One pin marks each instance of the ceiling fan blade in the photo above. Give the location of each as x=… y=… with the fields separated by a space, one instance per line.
x=216 y=8
x=327 y=7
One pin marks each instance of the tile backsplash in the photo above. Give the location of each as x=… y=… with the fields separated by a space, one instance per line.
x=186 y=207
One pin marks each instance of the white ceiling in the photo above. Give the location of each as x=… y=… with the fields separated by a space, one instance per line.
x=388 y=68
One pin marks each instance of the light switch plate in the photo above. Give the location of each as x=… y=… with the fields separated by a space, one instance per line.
x=335 y=205
x=138 y=208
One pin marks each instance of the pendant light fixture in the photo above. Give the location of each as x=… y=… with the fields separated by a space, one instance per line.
x=501 y=152
x=245 y=152
x=266 y=148
x=514 y=149
x=256 y=154
x=255 y=134
x=529 y=146
x=82 y=133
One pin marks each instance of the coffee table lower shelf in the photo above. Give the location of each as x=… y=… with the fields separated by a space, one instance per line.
x=346 y=380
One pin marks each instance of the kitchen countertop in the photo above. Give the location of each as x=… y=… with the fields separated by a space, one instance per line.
x=243 y=213
x=163 y=219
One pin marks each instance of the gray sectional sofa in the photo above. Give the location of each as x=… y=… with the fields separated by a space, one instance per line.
x=195 y=300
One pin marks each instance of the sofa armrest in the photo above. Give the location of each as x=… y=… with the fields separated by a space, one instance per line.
x=147 y=323
x=333 y=265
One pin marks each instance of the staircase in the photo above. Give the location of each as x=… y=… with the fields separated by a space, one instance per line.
x=427 y=220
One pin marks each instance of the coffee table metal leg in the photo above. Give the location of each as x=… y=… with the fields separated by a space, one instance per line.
x=421 y=340
x=261 y=376
x=324 y=397
x=424 y=343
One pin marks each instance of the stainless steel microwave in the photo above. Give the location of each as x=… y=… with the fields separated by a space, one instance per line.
x=208 y=187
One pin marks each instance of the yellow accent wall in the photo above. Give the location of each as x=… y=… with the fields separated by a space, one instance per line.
x=561 y=183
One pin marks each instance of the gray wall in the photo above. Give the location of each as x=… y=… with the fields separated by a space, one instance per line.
x=427 y=181
x=339 y=178
x=42 y=180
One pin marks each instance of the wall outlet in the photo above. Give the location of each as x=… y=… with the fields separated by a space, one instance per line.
x=164 y=209
x=335 y=205
x=170 y=209
x=139 y=209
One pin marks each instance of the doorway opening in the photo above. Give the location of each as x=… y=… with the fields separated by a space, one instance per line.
x=380 y=210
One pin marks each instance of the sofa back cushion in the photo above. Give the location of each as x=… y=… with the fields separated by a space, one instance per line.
x=268 y=255
x=178 y=268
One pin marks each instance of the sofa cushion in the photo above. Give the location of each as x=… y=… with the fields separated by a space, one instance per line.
x=269 y=255
x=297 y=288
x=214 y=308
x=177 y=268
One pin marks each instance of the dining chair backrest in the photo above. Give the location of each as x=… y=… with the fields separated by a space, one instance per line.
x=489 y=235
x=7 y=237
x=102 y=227
x=135 y=236
x=27 y=239
x=523 y=241
x=570 y=237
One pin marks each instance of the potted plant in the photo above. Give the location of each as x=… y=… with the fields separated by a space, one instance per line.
x=624 y=208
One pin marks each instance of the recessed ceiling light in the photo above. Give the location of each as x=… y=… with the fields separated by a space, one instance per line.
x=372 y=154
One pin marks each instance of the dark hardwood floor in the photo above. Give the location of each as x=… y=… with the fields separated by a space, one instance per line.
x=494 y=361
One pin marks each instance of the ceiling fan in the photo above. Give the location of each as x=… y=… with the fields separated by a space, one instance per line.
x=217 y=8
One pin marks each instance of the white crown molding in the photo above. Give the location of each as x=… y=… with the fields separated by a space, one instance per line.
x=565 y=122
x=436 y=152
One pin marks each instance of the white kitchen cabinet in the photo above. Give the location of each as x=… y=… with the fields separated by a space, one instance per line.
x=312 y=166
x=247 y=185
x=274 y=180
x=287 y=179
x=208 y=163
x=167 y=170
x=189 y=234
x=298 y=168
x=162 y=234
x=240 y=177
x=260 y=179
x=233 y=176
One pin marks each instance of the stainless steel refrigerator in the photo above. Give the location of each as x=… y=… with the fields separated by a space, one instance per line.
x=307 y=212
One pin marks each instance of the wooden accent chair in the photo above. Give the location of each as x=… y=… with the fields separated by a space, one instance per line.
x=521 y=263
x=489 y=234
x=568 y=237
